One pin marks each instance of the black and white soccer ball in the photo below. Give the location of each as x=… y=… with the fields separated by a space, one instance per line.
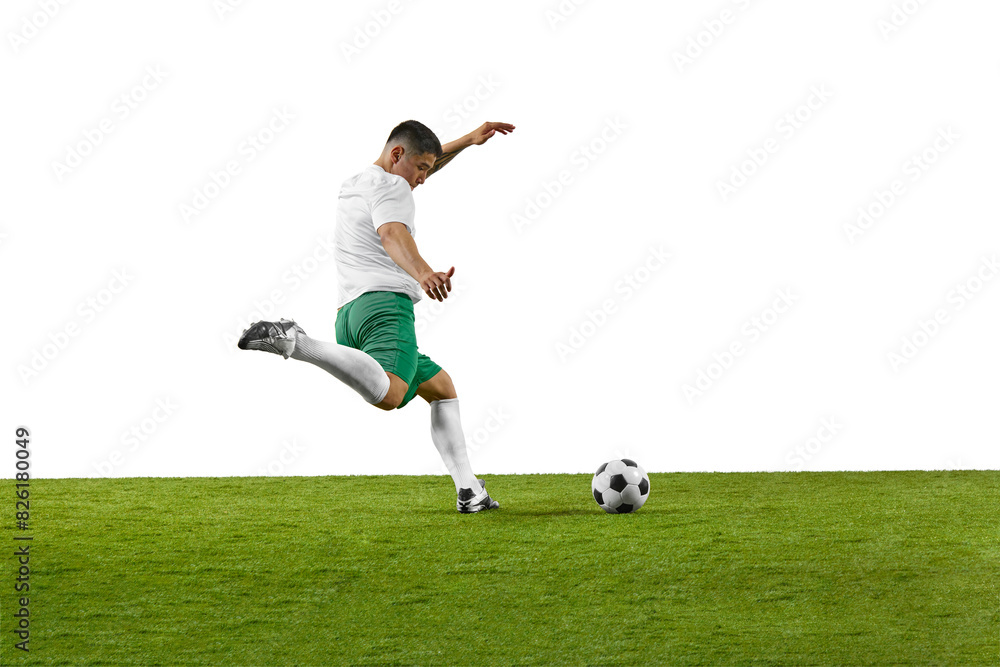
x=620 y=486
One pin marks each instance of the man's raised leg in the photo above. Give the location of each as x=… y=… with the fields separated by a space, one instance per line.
x=356 y=369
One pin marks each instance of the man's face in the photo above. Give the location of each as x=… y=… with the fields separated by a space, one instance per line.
x=412 y=167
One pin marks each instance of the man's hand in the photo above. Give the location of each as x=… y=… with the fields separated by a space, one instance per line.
x=437 y=284
x=400 y=246
x=486 y=130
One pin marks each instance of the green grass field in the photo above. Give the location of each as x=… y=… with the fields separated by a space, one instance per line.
x=762 y=569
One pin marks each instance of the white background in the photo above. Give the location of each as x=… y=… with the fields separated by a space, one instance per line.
x=893 y=76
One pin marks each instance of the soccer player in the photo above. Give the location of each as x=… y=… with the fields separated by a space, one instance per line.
x=380 y=276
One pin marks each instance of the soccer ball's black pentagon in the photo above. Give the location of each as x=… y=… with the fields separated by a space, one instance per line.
x=598 y=497
x=601 y=469
x=630 y=462
x=624 y=508
x=618 y=483
x=644 y=486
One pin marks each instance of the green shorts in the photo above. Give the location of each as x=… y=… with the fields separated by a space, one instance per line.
x=381 y=325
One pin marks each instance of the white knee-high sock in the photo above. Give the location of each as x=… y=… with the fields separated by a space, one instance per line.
x=357 y=370
x=446 y=432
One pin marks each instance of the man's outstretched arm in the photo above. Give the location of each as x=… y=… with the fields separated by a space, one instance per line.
x=398 y=242
x=475 y=138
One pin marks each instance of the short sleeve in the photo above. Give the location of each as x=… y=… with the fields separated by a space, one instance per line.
x=393 y=203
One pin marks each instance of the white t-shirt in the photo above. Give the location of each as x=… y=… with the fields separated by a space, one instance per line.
x=367 y=201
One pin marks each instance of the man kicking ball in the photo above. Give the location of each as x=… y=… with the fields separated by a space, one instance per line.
x=380 y=276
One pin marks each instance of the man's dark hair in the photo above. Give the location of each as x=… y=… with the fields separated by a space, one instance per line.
x=416 y=138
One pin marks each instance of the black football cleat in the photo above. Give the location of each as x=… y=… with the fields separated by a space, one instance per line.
x=469 y=503
x=277 y=337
